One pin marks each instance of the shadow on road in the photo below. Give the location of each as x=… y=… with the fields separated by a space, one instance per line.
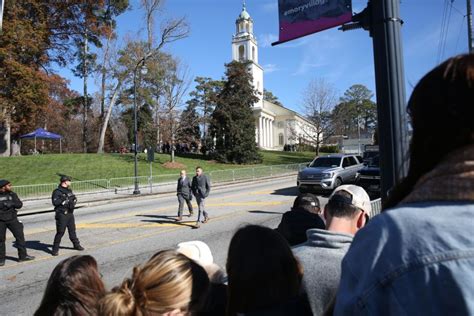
x=38 y=245
x=265 y=212
x=163 y=219
x=290 y=191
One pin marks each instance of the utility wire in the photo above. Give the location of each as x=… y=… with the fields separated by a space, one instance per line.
x=445 y=40
x=460 y=32
x=441 y=36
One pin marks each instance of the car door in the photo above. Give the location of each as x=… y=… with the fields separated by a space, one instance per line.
x=346 y=172
x=354 y=167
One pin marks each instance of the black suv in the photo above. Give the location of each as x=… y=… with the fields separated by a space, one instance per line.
x=369 y=177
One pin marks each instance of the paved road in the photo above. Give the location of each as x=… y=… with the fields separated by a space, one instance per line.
x=126 y=233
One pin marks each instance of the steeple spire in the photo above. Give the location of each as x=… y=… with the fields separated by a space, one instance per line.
x=243 y=6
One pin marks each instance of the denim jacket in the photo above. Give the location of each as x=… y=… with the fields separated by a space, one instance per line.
x=417 y=259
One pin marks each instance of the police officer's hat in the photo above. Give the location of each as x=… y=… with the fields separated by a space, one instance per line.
x=3 y=183
x=64 y=178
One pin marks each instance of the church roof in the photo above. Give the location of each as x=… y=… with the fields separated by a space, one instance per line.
x=244 y=14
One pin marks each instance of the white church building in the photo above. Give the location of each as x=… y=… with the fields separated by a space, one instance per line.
x=276 y=125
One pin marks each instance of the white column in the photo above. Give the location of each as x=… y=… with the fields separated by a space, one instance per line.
x=271 y=134
x=266 y=132
x=260 y=131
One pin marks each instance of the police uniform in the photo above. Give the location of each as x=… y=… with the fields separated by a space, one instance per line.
x=64 y=202
x=9 y=203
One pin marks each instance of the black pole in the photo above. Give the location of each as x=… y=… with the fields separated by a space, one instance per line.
x=390 y=88
x=135 y=127
x=469 y=26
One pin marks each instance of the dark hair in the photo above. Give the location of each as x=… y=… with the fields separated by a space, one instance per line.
x=306 y=201
x=198 y=167
x=262 y=270
x=74 y=288
x=340 y=205
x=441 y=108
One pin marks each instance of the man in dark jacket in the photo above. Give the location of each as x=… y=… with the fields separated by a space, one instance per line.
x=9 y=203
x=303 y=216
x=201 y=188
x=184 y=194
x=64 y=202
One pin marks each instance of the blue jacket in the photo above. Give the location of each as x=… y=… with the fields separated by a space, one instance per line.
x=417 y=259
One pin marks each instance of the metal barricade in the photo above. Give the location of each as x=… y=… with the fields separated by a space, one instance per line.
x=38 y=191
x=376 y=207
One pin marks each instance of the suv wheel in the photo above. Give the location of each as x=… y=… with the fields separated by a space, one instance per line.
x=337 y=183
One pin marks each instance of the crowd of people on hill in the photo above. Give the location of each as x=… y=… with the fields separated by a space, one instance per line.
x=416 y=258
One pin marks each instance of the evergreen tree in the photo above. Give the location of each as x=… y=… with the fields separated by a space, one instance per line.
x=189 y=131
x=233 y=122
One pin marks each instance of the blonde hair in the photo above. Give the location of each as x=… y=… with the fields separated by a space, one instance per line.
x=161 y=285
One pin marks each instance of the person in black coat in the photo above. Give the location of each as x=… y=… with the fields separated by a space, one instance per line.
x=201 y=187
x=9 y=203
x=184 y=194
x=64 y=202
x=303 y=216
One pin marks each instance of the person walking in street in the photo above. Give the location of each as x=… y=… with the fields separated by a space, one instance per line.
x=9 y=203
x=64 y=202
x=184 y=194
x=201 y=187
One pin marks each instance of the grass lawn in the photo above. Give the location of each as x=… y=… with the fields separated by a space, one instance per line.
x=43 y=168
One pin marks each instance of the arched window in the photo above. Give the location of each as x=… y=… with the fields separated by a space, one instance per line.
x=253 y=53
x=281 y=139
x=241 y=52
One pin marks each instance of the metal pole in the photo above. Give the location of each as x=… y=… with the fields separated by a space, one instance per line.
x=469 y=26
x=135 y=128
x=390 y=88
x=2 y=3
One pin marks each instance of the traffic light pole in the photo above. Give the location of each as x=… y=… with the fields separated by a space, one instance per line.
x=390 y=89
x=382 y=19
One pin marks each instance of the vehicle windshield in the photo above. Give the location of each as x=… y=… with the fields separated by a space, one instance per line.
x=326 y=162
x=374 y=162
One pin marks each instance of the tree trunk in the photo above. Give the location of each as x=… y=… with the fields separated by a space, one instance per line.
x=84 y=123
x=5 y=137
x=172 y=140
x=104 y=75
x=103 y=129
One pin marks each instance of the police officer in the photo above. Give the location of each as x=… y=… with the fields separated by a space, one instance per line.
x=64 y=202
x=9 y=203
x=184 y=194
x=201 y=187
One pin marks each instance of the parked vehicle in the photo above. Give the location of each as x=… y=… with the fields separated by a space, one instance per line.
x=369 y=178
x=328 y=172
x=370 y=151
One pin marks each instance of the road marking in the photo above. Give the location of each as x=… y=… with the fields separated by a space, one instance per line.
x=124 y=240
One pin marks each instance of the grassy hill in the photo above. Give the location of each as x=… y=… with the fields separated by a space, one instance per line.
x=43 y=168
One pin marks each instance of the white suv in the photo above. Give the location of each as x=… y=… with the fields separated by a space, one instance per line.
x=329 y=172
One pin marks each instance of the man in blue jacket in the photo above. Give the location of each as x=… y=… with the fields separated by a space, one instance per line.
x=201 y=187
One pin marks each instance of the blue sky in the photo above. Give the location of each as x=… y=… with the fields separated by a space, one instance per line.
x=342 y=58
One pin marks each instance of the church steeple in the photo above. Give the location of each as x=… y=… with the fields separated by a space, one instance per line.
x=245 y=49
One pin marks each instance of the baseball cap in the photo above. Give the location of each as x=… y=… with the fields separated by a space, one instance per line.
x=197 y=251
x=358 y=197
x=3 y=183
x=306 y=199
x=64 y=179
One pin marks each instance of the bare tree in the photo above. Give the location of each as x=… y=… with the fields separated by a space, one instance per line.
x=175 y=87
x=319 y=98
x=171 y=31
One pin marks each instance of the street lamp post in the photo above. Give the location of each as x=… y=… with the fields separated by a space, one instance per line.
x=141 y=65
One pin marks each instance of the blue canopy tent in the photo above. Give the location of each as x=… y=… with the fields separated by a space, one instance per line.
x=42 y=134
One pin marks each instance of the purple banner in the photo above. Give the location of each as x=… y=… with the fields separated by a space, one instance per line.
x=303 y=17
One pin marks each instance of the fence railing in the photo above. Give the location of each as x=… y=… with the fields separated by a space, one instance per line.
x=114 y=185
x=376 y=207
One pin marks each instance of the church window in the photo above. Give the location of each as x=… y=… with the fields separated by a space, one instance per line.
x=241 y=52
x=281 y=139
x=280 y=124
x=253 y=53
